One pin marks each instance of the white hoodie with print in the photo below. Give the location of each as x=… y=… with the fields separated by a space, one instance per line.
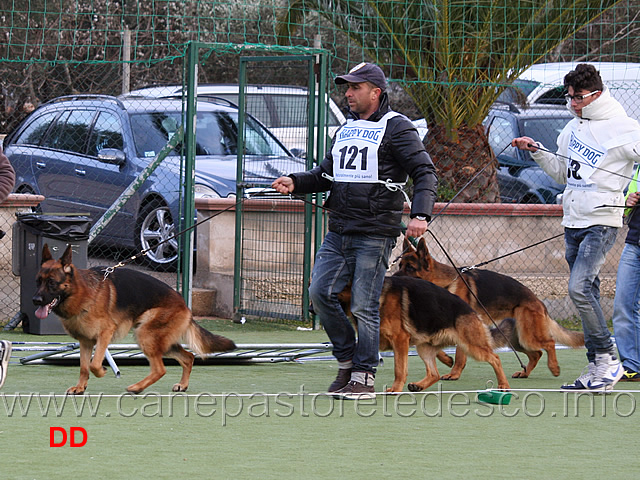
x=606 y=127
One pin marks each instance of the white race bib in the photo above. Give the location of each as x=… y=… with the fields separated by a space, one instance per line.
x=355 y=150
x=585 y=156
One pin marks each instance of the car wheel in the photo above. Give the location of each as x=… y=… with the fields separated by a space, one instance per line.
x=155 y=232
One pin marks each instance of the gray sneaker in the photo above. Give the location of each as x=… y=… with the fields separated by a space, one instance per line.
x=355 y=391
x=343 y=377
x=5 y=354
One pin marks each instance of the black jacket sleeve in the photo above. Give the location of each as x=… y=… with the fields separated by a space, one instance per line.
x=408 y=149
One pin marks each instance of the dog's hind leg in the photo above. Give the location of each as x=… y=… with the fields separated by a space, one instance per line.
x=154 y=342
x=458 y=365
x=428 y=354
x=444 y=358
x=534 y=334
x=534 y=357
x=157 y=372
x=185 y=359
x=487 y=355
x=86 y=348
x=476 y=340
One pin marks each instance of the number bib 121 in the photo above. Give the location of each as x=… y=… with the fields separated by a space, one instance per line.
x=355 y=150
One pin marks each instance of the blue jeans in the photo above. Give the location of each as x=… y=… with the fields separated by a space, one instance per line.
x=586 y=249
x=363 y=260
x=626 y=308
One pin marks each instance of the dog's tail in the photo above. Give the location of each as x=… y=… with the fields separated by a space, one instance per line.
x=203 y=341
x=570 y=338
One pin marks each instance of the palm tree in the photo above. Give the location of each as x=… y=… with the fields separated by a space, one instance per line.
x=453 y=57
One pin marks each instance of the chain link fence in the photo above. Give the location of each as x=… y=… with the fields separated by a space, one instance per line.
x=472 y=75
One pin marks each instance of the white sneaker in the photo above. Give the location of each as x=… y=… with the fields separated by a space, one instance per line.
x=583 y=380
x=608 y=371
x=5 y=353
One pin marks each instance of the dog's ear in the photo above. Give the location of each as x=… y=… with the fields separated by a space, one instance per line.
x=66 y=256
x=46 y=254
x=407 y=246
x=423 y=250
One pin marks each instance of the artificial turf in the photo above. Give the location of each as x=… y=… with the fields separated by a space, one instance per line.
x=268 y=421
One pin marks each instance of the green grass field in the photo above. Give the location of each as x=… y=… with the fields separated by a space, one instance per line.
x=267 y=421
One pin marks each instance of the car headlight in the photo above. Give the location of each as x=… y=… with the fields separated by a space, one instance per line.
x=203 y=191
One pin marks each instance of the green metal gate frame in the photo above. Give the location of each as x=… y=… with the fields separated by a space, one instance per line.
x=316 y=67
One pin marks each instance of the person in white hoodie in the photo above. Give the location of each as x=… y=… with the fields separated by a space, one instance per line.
x=595 y=157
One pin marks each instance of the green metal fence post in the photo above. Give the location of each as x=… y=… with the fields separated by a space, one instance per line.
x=186 y=260
x=237 y=264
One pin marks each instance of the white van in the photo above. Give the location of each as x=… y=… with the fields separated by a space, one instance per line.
x=282 y=108
x=543 y=84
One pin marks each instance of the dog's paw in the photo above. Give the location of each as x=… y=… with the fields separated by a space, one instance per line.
x=99 y=372
x=449 y=376
x=520 y=374
x=134 y=389
x=77 y=390
x=414 y=387
x=179 y=388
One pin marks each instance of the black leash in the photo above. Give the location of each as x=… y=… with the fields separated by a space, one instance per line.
x=473 y=294
x=531 y=145
x=109 y=270
x=472 y=267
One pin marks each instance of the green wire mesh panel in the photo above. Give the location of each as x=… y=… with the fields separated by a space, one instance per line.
x=272 y=240
x=272 y=282
x=475 y=72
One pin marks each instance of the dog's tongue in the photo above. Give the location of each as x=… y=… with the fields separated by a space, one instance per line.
x=43 y=311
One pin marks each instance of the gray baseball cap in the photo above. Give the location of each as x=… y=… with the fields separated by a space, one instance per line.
x=364 y=72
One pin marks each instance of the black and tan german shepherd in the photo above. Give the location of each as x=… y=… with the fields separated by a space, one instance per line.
x=417 y=312
x=527 y=323
x=96 y=310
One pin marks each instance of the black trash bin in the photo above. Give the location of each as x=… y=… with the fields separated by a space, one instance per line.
x=31 y=232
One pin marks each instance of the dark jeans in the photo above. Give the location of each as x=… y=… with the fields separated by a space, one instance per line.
x=363 y=260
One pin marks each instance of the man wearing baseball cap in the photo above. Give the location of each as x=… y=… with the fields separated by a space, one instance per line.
x=370 y=159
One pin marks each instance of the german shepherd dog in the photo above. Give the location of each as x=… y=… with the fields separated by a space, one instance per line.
x=526 y=322
x=96 y=310
x=417 y=312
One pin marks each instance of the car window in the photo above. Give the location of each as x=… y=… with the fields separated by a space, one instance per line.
x=553 y=96
x=292 y=111
x=500 y=136
x=257 y=106
x=525 y=87
x=545 y=130
x=71 y=131
x=259 y=141
x=107 y=133
x=216 y=134
x=35 y=131
x=279 y=111
x=152 y=131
